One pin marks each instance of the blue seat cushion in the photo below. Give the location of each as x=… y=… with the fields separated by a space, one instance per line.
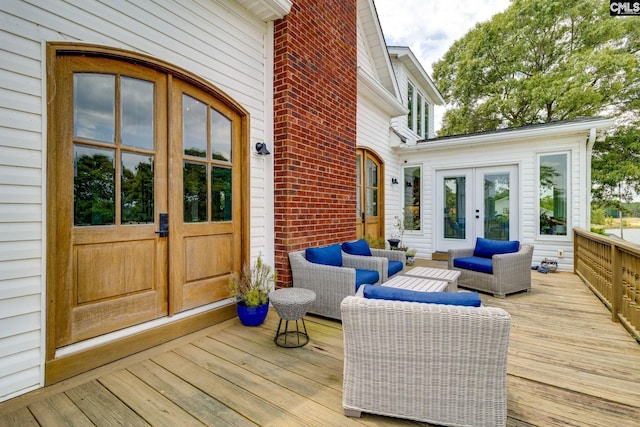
x=469 y=299
x=366 y=277
x=358 y=247
x=326 y=255
x=486 y=248
x=475 y=263
x=394 y=267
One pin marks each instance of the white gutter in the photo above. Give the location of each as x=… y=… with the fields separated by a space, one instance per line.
x=512 y=134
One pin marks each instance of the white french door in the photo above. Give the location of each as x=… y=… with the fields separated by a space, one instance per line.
x=476 y=202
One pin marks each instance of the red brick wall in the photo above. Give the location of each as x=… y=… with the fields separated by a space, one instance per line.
x=315 y=96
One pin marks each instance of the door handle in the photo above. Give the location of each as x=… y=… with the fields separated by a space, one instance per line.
x=362 y=216
x=164 y=225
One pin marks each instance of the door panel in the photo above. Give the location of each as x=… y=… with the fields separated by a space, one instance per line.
x=108 y=189
x=369 y=215
x=205 y=213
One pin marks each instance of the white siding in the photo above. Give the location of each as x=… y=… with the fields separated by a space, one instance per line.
x=217 y=40
x=373 y=133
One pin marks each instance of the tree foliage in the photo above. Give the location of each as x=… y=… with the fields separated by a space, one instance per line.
x=616 y=168
x=541 y=60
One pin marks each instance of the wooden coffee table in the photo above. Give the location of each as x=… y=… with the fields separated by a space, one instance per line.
x=416 y=284
x=449 y=276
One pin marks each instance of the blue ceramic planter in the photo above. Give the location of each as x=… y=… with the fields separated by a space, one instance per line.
x=252 y=316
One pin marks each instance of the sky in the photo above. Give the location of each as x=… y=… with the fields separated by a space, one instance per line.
x=429 y=27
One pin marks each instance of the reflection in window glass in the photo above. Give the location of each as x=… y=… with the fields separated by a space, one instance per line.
x=220 y=137
x=496 y=206
x=194 y=127
x=410 y=106
x=454 y=207
x=372 y=188
x=137 y=113
x=412 y=198
x=419 y=115
x=553 y=194
x=221 y=194
x=94 y=103
x=93 y=186
x=195 y=192
x=137 y=189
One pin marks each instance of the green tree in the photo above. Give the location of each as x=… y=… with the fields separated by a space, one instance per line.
x=541 y=60
x=616 y=168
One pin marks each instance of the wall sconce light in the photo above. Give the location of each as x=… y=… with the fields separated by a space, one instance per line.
x=394 y=181
x=261 y=148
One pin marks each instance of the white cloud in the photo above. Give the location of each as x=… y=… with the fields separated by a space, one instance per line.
x=429 y=27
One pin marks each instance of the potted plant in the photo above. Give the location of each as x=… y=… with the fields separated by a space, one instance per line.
x=396 y=237
x=251 y=290
x=411 y=256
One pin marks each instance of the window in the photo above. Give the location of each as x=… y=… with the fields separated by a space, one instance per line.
x=418 y=116
x=553 y=194
x=412 y=195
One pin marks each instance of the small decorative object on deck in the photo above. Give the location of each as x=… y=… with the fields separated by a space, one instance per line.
x=548 y=264
x=411 y=256
x=251 y=291
x=292 y=304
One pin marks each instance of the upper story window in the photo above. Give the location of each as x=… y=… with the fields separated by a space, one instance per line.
x=553 y=194
x=418 y=116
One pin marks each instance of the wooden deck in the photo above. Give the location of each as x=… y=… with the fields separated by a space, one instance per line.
x=569 y=365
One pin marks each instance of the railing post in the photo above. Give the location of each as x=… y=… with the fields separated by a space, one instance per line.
x=616 y=282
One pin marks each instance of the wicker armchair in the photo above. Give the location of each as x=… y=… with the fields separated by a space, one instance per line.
x=440 y=364
x=331 y=284
x=511 y=272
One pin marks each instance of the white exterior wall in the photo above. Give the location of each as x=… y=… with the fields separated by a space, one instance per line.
x=523 y=153
x=217 y=40
x=373 y=133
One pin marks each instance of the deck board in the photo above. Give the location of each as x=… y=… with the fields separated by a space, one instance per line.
x=568 y=365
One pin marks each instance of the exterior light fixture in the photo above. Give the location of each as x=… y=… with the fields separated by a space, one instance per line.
x=261 y=148
x=394 y=181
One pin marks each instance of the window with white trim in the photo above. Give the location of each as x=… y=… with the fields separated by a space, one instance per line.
x=554 y=186
x=418 y=117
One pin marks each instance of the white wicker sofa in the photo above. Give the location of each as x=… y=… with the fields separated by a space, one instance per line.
x=440 y=364
x=510 y=272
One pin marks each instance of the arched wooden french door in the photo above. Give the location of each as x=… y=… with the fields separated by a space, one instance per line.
x=145 y=210
x=370 y=195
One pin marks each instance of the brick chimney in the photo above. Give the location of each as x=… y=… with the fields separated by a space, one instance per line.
x=315 y=97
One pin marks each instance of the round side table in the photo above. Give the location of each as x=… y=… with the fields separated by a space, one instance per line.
x=291 y=304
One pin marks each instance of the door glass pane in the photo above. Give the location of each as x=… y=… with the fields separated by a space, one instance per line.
x=194 y=127
x=94 y=104
x=553 y=194
x=496 y=206
x=454 y=209
x=358 y=185
x=93 y=186
x=137 y=189
x=195 y=192
x=137 y=113
x=221 y=207
x=220 y=137
x=372 y=188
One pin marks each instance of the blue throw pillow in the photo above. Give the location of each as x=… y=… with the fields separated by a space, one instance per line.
x=487 y=248
x=468 y=299
x=326 y=255
x=359 y=247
